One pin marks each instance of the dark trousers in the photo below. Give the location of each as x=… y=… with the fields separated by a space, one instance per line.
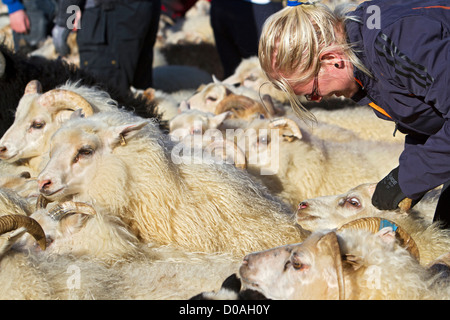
x=237 y=27
x=116 y=43
x=442 y=213
x=41 y=14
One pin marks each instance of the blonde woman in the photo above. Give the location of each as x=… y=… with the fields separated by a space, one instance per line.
x=394 y=56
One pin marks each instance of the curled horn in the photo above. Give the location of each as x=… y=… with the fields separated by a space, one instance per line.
x=286 y=122
x=41 y=202
x=60 y=99
x=70 y=207
x=241 y=106
x=405 y=204
x=2 y=64
x=373 y=224
x=12 y=222
x=34 y=86
x=224 y=145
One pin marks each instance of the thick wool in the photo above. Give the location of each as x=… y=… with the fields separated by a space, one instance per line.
x=198 y=207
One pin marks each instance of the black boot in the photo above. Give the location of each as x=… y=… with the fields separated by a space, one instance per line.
x=442 y=213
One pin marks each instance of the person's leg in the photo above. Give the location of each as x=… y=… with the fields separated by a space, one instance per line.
x=442 y=213
x=235 y=32
x=262 y=11
x=143 y=75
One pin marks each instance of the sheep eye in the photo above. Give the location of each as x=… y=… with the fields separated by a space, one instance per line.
x=37 y=124
x=297 y=265
x=209 y=98
x=83 y=153
x=354 y=202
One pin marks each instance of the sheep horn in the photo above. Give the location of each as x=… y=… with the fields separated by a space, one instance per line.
x=405 y=204
x=373 y=224
x=60 y=99
x=239 y=102
x=287 y=122
x=41 y=202
x=2 y=64
x=12 y=222
x=34 y=86
x=240 y=161
x=70 y=207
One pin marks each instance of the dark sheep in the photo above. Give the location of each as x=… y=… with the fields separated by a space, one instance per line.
x=17 y=70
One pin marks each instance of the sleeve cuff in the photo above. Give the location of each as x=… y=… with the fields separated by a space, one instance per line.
x=15 y=6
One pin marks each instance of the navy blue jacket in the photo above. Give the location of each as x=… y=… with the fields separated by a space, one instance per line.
x=409 y=58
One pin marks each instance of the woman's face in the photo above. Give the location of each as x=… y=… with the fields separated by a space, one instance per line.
x=335 y=77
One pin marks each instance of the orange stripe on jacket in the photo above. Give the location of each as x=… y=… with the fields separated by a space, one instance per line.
x=433 y=7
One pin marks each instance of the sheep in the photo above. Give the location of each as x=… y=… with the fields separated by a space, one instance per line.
x=16 y=71
x=362 y=121
x=348 y=264
x=138 y=270
x=125 y=164
x=210 y=97
x=39 y=115
x=336 y=210
x=249 y=74
x=25 y=275
x=295 y=164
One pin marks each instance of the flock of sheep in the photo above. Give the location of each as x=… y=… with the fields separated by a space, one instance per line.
x=100 y=203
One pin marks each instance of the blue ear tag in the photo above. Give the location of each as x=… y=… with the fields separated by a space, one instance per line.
x=386 y=223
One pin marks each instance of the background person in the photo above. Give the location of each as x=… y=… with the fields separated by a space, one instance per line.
x=237 y=26
x=31 y=22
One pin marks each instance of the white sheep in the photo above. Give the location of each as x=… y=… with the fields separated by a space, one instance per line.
x=125 y=165
x=249 y=74
x=39 y=115
x=209 y=96
x=336 y=210
x=295 y=164
x=101 y=249
x=347 y=265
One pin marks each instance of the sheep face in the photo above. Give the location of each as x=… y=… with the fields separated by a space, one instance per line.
x=38 y=116
x=28 y=135
x=311 y=270
x=192 y=122
x=76 y=153
x=209 y=97
x=331 y=211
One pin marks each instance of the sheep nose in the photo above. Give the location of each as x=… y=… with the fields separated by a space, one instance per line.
x=44 y=184
x=303 y=205
x=3 y=149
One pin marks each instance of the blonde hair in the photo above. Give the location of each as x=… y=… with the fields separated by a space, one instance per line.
x=292 y=41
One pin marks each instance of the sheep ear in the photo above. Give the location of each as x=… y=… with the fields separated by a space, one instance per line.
x=73 y=223
x=387 y=235
x=121 y=134
x=217 y=120
x=328 y=245
x=215 y=80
